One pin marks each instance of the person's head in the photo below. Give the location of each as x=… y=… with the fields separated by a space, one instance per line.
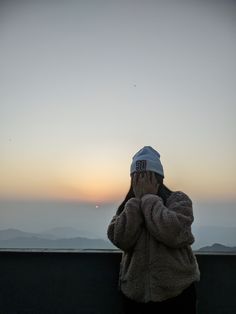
x=147 y=159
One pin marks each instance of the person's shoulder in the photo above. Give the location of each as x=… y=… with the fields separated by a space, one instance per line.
x=179 y=196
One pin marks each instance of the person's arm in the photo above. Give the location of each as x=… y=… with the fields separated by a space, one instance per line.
x=125 y=228
x=170 y=224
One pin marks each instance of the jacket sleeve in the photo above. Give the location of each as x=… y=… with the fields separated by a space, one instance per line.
x=170 y=224
x=125 y=228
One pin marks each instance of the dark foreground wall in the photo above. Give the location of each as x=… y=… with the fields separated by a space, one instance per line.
x=86 y=283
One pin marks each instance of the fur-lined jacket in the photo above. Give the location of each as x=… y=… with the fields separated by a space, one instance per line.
x=157 y=262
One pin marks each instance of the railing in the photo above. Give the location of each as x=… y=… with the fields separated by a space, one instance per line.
x=85 y=282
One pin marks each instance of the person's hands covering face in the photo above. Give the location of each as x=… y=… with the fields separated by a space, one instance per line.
x=144 y=183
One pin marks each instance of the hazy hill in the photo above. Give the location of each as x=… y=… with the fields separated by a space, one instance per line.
x=217 y=247
x=12 y=238
x=207 y=239
x=208 y=235
x=9 y=234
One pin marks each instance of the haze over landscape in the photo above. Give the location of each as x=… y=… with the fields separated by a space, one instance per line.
x=85 y=84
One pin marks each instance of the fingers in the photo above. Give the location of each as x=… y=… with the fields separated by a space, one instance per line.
x=142 y=176
x=150 y=177
x=138 y=176
x=144 y=183
x=145 y=178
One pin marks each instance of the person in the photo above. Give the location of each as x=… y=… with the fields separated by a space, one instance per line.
x=152 y=226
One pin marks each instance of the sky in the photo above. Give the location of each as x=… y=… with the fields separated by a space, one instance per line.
x=85 y=84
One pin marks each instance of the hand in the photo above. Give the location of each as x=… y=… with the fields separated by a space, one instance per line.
x=144 y=183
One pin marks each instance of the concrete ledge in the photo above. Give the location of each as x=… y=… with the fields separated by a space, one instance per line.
x=72 y=281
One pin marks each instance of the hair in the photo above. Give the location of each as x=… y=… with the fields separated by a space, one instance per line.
x=164 y=192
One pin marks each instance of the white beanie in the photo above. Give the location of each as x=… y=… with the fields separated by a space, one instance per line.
x=147 y=159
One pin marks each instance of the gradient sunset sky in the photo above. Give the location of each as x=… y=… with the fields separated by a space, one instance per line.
x=85 y=84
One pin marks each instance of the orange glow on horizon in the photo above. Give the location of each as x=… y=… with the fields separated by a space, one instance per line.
x=103 y=183
x=95 y=187
x=97 y=192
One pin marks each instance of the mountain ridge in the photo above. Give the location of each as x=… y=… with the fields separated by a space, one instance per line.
x=16 y=239
x=33 y=240
x=217 y=247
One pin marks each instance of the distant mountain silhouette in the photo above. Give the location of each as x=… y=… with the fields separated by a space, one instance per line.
x=9 y=234
x=13 y=238
x=208 y=235
x=217 y=247
x=17 y=239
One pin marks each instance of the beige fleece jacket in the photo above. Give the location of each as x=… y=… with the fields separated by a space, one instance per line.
x=157 y=262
